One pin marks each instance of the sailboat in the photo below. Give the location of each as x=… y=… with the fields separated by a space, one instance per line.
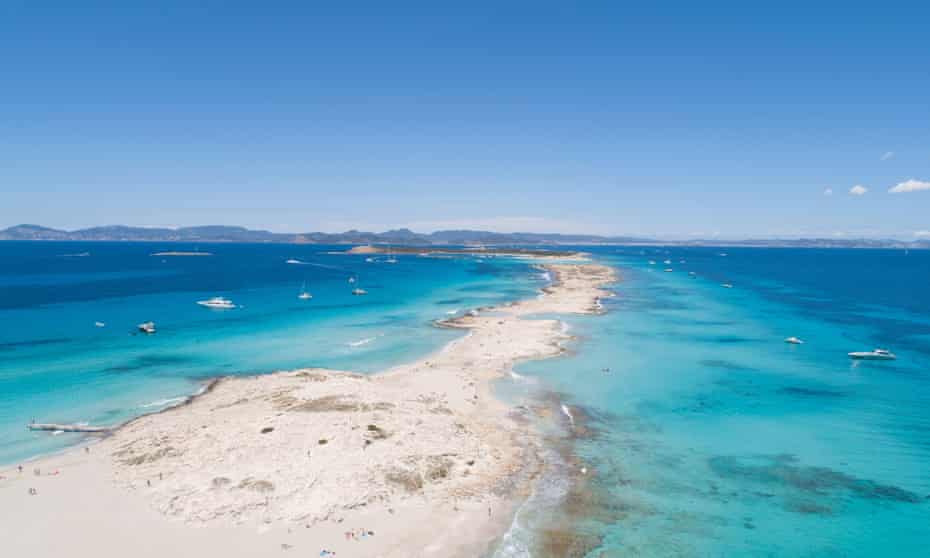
x=390 y=259
x=304 y=295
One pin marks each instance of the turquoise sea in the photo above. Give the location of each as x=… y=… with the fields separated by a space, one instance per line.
x=56 y=365
x=711 y=436
x=707 y=435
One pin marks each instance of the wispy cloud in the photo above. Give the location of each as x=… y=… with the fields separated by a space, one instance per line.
x=887 y=155
x=922 y=234
x=828 y=192
x=858 y=190
x=911 y=185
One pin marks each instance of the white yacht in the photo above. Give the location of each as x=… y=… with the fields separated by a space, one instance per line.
x=877 y=354
x=794 y=340
x=147 y=327
x=668 y=270
x=652 y=262
x=304 y=295
x=217 y=302
x=292 y=261
x=726 y=285
x=667 y=262
x=352 y=279
x=358 y=292
x=100 y=324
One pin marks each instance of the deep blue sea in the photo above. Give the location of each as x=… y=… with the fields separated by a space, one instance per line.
x=707 y=436
x=711 y=436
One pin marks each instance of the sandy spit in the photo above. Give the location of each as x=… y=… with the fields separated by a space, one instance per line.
x=419 y=460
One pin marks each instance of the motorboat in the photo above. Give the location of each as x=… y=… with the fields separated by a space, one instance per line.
x=877 y=354
x=351 y=279
x=652 y=262
x=794 y=341
x=667 y=262
x=147 y=327
x=668 y=270
x=292 y=261
x=304 y=295
x=100 y=324
x=358 y=292
x=217 y=302
x=726 y=285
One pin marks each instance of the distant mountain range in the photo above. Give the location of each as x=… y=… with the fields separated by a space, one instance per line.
x=219 y=233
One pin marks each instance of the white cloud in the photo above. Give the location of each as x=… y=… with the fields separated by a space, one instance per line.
x=828 y=192
x=911 y=185
x=887 y=155
x=922 y=234
x=858 y=190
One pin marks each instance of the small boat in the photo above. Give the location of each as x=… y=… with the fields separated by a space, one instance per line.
x=391 y=260
x=692 y=274
x=667 y=262
x=293 y=261
x=794 y=341
x=351 y=279
x=304 y=295
x=358 y=292
x=652 y=262
x=100 y=324
x=147 y=327
x=668 y=270
x=877 y=354
x=370 y=260
x=726 y=285
x=723 y=254
x=217 y=302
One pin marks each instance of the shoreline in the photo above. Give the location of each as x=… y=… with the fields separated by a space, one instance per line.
x=296 y=460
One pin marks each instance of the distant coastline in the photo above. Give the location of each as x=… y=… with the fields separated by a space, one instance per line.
x=406 y=237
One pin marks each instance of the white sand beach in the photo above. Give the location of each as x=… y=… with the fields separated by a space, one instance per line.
x=419 y=460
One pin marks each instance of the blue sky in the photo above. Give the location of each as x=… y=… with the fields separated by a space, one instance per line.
x=671 y=119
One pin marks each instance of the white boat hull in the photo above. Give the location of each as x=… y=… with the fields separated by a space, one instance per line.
x=871 y=356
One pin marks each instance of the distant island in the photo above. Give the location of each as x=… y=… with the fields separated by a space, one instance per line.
x=406 y=237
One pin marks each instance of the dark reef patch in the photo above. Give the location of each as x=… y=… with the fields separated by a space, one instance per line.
x=785 y=472
x=799 y=391
x=725 y=364
x=149 y=361
x=13 y=345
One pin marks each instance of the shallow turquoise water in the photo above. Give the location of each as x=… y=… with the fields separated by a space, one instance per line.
x=56 y=366
x=712 y=437
x=716 y=438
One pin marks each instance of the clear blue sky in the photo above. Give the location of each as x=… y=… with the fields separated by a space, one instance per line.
x=674 y=119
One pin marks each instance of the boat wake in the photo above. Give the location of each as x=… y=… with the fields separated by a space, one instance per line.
x=362 y=342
